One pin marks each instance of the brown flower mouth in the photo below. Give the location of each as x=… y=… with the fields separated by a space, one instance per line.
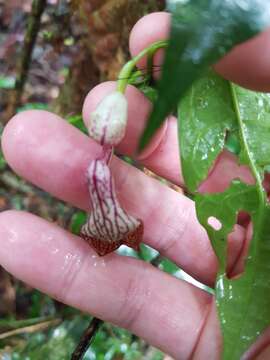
x=104 y=247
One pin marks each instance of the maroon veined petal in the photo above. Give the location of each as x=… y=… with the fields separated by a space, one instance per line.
x=109 y=225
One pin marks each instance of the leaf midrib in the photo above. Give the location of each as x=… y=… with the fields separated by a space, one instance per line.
x=259 y=187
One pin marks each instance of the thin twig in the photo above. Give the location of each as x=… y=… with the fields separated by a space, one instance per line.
x=23 y=66
x=10 y=180
x=89 y=334
x=86 y=339
x=31 y=329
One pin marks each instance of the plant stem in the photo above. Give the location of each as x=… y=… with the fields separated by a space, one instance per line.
x=31 y=329
x=33 y=26
x=86 y=339
x=129 y=67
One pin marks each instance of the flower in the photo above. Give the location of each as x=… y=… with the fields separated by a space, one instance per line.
x=109 y=225
x=108 y=122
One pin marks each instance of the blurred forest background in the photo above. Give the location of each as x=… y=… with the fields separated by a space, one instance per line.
x=79 y=44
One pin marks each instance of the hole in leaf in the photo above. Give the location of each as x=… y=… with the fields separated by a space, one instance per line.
x=224 y=171
x=266 y=184
x=214 y=223
x=238 y=245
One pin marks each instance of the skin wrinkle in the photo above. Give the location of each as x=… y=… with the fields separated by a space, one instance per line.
x=203 y=325
x=71 y=273
x=209 y=341
x=135 y=299
x=180 y=232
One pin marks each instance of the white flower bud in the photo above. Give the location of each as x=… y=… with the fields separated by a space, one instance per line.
x=108 y=122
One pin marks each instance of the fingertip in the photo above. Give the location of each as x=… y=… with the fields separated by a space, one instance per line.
x=94 y=97
x=19 y=128
x=138 y=110
x=248 y=63
x=149 y=29
x=11 y=236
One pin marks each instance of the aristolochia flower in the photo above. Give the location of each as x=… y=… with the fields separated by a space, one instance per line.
x=109 y=225
x=108 y=122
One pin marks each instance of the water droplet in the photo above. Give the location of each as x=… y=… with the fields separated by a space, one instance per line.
x=55 y=251
x=71 y=260
x=98 y=261
x=13 y=235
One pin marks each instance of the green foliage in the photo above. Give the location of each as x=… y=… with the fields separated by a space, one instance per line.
x=243 y=307
x=77 y=121
x=205 y=115
x=77 y=221
x=7 y=82
x=58 y=343
x=150 y=92
x=254 y=111
x=33 y=106
x=3 y=162
x=202 y=31
x=215 y=114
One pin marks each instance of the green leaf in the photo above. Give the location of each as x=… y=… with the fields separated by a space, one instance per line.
x=202 y=32
x=212 y=107
x=243 y=304
x=205 y=115
x=77 y=121
x=238 y=197
x=57 y=344
x=149 y=91
x=254 y=110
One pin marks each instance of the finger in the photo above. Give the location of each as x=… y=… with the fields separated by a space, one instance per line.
x=161 y=155
x=166 y=312
x=54 y=155
x=209 y=342
x=261 y=349
x=247 y=64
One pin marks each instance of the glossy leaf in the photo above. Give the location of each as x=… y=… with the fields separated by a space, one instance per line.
x=243 y=304
x=254 y=110
x=202 y=32
x=205 y=115
x=209 y=108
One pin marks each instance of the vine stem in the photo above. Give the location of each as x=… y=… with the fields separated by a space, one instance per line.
x=129 y=67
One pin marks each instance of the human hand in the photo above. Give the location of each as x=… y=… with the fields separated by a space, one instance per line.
x=168 y=313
